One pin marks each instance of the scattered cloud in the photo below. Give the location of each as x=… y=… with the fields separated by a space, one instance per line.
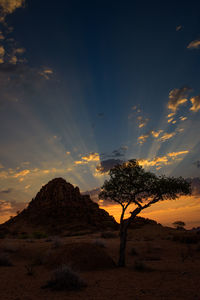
x=46 y=73
x=156 y=134
x=68 y=152
x=91 y=157
x=194 y=44
x=21 y=174
x=195 y=103
x=120 y=152
x=178 y=97
x=183 y=118
x=197 y=164
x=163 y=160
x=170 y=120
x=167 y=136
x=179 y=27
x=7 y=191
x=143 y=138
x=142 y=122
x=108 y=164
x=8 y=7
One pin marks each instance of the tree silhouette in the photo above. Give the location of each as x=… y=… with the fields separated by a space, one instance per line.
x=129 y=184
x=179 y=224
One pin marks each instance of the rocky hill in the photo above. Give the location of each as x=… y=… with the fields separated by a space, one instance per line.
x=59 y=207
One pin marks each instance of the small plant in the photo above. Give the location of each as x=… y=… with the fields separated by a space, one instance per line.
x=39 y=235
x=100 y=243
x=141 y=267
x=179 y=225
x=108 y=235
x=10 y=248
x=5 y=260
x=133 y=252
x=56 y=243
x=64 y=278
x=29 y=269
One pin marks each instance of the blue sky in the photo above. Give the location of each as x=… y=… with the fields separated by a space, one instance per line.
x=88 y=83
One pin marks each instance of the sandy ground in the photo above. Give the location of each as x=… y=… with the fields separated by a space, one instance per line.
x=172 y=268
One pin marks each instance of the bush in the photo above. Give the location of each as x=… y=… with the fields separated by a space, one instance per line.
x=190 y=238
x=99 y=243
x=64 y=278
x=39 y=235
x=141 y=267
x=133 y=252
x=108 y=235
x=5 y=261
x=56 y=243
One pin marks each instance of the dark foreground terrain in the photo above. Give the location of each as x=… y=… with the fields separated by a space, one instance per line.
x=162 y=263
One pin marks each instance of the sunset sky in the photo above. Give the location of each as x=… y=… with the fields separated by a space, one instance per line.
x=86 y=84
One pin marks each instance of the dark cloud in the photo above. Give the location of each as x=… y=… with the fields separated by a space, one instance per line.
x=195 y=185
x=7 y=191
x=197 y=164
x=120 y=152
x=108 y=164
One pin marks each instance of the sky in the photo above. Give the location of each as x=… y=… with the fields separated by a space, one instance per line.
x=88 y=84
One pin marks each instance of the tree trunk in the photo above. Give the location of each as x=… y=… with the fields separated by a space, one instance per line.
x=122 y=249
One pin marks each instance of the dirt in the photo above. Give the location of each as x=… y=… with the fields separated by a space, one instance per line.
x=159 y=267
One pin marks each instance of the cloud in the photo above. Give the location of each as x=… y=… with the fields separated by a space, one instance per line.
x=46 y=73
x=143 y=138
x=11 y=207
x=8 y=7
x=197 y=164
x=194 y=44
x=156 y=134
x=142 y=121
x=163 y=160
x=195 y=103
x=183 y=118
x=108 y=164
x=120 y=152
x=179 y=27
x=21 y=174
x=91 y=157
x=167 y=136
x=178 y=97
x=7 y=191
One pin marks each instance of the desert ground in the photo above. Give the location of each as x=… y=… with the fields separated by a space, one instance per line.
x=162 y=263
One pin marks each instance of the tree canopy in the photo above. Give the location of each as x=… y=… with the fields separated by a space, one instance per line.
x=129 y=184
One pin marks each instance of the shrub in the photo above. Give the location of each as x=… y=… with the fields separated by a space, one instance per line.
x=39 y=235
x=141 y=267
x=5 y=260
x=64 y=278
x=29 y=269
x=108 y=235
x=133 y=252
x=99 y=243
x=10 y=248
x=56 y=243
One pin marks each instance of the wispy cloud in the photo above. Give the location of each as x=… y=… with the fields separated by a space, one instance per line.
x=143 y=138
x=195 y=103
x=167 y=136
x=91 y=157
x=156 y=134
x=8 y=7
x=194 y=44
x=163 y=160
x=178 y=97
x=179 y=27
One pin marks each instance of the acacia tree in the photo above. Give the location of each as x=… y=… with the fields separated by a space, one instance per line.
x=179 y=224
x=129 y=184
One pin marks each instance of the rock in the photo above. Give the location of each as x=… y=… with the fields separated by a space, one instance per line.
x=58 y=207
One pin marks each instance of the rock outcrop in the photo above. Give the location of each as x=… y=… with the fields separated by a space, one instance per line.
x=60 y=207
